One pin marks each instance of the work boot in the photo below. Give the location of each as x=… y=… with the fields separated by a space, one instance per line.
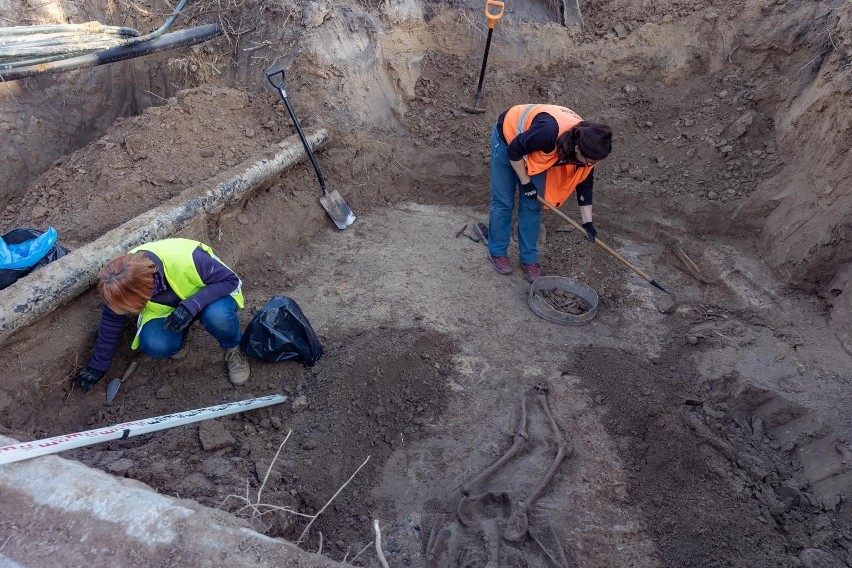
x=238 y=366
x=532 y=271
x=501 y=264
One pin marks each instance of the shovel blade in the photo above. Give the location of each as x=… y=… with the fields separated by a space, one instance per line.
x=112 y=390
x=337 y=209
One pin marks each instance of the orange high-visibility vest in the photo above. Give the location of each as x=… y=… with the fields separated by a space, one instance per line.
x=560 y=181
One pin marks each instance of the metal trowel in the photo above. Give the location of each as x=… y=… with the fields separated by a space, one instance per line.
x=115 y=384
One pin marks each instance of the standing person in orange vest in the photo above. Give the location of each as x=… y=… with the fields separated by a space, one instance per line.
x=545 y=150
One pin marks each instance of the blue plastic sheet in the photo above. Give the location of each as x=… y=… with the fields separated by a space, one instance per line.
x=24 y=250
x=27 y=253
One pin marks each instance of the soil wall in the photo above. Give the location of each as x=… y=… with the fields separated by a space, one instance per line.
x=46 y=117
x=803 y=214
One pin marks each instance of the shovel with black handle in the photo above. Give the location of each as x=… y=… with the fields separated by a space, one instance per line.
x=492 y=21
x=331 y=201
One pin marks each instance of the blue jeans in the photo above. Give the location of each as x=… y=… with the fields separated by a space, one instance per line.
x=504 y=183
x=219 y=318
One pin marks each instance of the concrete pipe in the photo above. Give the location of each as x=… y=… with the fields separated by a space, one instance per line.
x=41 y=292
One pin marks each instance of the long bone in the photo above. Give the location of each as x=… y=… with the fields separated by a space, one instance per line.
x=517 y=526
x=521 y=436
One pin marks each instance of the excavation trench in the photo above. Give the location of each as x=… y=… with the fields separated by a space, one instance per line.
x=713 y=435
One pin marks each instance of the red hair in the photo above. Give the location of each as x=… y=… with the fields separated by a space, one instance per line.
x=126 y=283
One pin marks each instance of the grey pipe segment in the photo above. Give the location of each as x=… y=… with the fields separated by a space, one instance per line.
x=41 y=292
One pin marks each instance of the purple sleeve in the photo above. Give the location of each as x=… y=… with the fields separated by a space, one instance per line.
x=219 y=281
x=539 y=137
x=109 y=331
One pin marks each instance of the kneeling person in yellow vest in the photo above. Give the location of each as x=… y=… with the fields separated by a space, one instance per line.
x=170 y=284
x=546 y=150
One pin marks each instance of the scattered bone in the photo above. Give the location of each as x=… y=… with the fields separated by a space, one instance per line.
x=563 y=301
x=690 y=266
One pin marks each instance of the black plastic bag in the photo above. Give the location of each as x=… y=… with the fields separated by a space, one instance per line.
x=9 y=276
x=281 y=332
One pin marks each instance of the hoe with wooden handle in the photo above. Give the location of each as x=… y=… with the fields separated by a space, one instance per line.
x=614 y=254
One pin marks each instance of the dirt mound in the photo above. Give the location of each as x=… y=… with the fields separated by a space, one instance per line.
x=371 y=393
x=703 y=467
x=148 y=159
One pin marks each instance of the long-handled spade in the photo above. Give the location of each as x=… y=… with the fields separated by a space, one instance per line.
x=331 y=201
x=666 y=304
x=492 y=21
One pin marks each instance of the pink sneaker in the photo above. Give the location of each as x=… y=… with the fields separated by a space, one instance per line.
x=501 y=264
x=532 y=271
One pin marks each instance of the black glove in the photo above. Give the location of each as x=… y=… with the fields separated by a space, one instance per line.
x=179 y=319
x=591 y=232
x=89 y=377
x=529 y=190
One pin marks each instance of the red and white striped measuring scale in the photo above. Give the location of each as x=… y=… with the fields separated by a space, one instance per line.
x=36 y=448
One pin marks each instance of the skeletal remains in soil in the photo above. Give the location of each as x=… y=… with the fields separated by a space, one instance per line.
x=564 y=301
x=484 y=519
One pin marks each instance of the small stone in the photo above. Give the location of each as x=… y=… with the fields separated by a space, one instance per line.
x=757 y=429
x=666 y=304
x=214 y=436
x=242 y=219
x=136 y=146
x=314 y=14
x=830 y=502
x=711 y=16
x=629 y=88
x=712 y=195
x=692 y=339
x=164 y=392
x=815 y=558
x=215 y=468
x=620 y=31
x=120 y=465
x=300 y=403
x=688 y=122
x=277 y=423
x=39 y=213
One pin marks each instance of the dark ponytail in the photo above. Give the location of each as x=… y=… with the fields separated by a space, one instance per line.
x=594 y=140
